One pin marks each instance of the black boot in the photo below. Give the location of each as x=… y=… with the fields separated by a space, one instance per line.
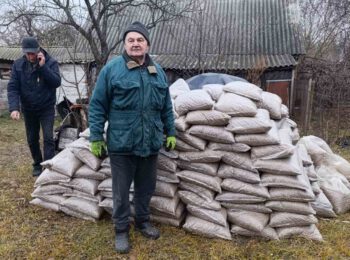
x=36 y=171
x=148 y=230
x=122 y=244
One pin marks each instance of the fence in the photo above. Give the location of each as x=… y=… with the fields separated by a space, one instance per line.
x=322 y=99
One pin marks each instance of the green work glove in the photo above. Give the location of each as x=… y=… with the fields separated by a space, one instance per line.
x=170 y=142
x=98 y=148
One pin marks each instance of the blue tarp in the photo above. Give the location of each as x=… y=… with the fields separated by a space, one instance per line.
x=198 y=81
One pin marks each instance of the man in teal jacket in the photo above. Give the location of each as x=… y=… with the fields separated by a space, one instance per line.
x=132 y=94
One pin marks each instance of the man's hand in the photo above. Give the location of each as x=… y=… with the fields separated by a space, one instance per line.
x=41 y=59
x=15 y=115
x=171 y=142
x=98 y=148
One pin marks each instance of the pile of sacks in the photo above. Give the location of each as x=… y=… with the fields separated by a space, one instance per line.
x=239 y=168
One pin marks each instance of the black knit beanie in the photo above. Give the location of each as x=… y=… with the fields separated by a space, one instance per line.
x=137 y=27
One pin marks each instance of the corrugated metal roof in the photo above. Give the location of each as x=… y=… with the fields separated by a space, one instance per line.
x=221 y=34
x=61 y=54
x=222 y=63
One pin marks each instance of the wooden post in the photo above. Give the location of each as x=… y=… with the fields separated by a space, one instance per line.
x=308 y=109
x=292 y=93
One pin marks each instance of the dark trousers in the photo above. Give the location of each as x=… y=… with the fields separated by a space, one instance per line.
x=33 y=120
x=125 y=169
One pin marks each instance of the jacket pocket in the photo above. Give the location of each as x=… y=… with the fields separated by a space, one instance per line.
x=121 y=132
x=157 y=138
x=158 y=94
x=126 y=95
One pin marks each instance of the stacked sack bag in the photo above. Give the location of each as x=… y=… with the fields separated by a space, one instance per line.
x=70 y=182
x=239 y=168
x=165 y=205
x=241 y=172
x=332 y=176
x=80 y=185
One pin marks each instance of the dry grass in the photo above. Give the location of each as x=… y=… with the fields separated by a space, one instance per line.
x=30 y=232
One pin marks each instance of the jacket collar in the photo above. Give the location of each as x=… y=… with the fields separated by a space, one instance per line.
x=131 y=64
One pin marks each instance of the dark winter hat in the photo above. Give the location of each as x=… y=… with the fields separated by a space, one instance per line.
x=137 y=27
x=30 y=44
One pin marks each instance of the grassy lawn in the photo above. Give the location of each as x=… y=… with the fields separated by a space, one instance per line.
x=30 y=232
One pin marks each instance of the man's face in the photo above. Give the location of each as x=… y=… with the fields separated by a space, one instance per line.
x=31 y=56
x=135 y=45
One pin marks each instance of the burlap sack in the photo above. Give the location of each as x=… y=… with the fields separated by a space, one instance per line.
x=206 y=228
x=235 y=147
x=228 y=171
x=237 y=186
x=214 y=90
x=167 y=176
x=105 y=185
x=244 y=89
x=165 y=163
x=323 y=207
x=282 y=150
x=207 y=117
x=49 y=189
x=165 y=189
x=82 y=206
x=203 y=192
x=268 y=233
x=87 y=173
x=207 y=156
x=179 y=87
x=181 y=124
x=80 y=194
x=260 y=123
x=212 y=133
x=238 y=198
x=250 y=220
x=206 y=168
x=259 y=207
x=271 y=137
x=291 y=194
x=239 y=160
x=201 y=179
x=45 y=204
x=64 y=162
x=308 y=232
x=164 y=204
x=190 y=198
x=236 y=105
x=179 y=212
x=193 y=100
x=214 y=216
x=286 y=219
x=184 y=147
x=87 y=158
x=85 y=185
x=287 y=166
x=272 y=103
x=50 y=177
x=303 y=208
x=193 y=141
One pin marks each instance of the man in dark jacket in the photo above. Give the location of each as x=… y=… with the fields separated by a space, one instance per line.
x=132 y=94
x=32 y=90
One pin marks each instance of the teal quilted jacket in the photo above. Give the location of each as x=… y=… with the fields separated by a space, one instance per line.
x=135 y=101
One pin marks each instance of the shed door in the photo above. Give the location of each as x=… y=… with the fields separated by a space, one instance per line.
x=280 y=88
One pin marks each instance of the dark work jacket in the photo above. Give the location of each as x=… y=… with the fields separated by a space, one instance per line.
x=135 y=101
x=32 y=86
